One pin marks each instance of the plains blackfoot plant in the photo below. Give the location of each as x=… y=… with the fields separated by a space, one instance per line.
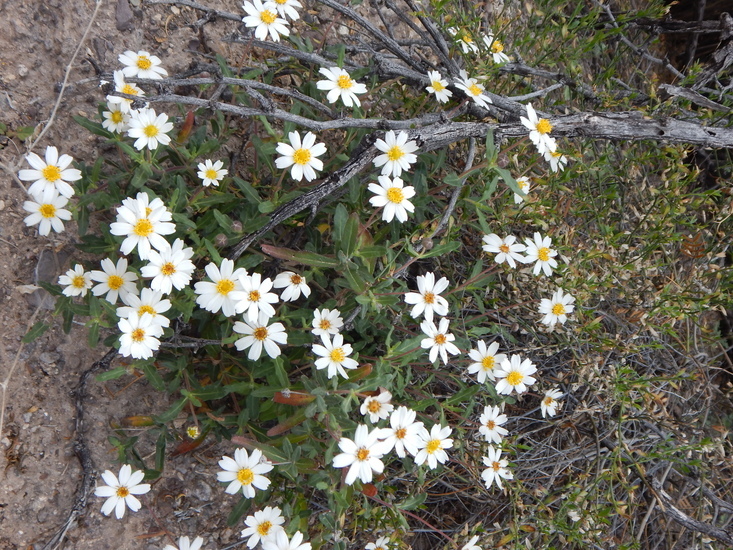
x=428 y=301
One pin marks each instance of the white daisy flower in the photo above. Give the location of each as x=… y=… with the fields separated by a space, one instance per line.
x=540 y=252
x=539 y=131
x=265 y=20
x=120 y=492
x=473 y=89
x=140 y=333
x=170 y=267
x=141 y=65
x=491 y=425
x=556 y=309
x=115 y=119
x=496 y=470
x=382 y=543
x=149 y=301
x=77 y=281
x=362 y=455
x=334 y=355
x=464 y=40
x=340 y=85
x=293 y=284
x=258 y=335
x=288 y=8
x=393 y=196
x=211 y=173
x=403 y=433
x=244 y=472
x=514 y=374
x=471 y=544
x=398 y=153
x=550 y=402
x=124 y=88
x=256 y=298
x=301 y=156
x=432 y=446
x=485 y=361
x=281 y=542
x=327 y=321
x=184 y=543
x=114 y=280
x=143 y=224
x=47 y=212
x=428 y=300
x=263 y=525
x=496 y=48
x=439 y=87
x=439 y=340
x=54 y=173
x=224 y=291
x=148 y=129
x=377 y=406
x=524 y=184
x=506 y=249
x=556 y=159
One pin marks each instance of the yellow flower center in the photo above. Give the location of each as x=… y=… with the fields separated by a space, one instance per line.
x=515 y=378
x=168 y=269
x=148 y=211
x=147 y=309
x=548 y=401
x=225 y=286
x=491 y=424
x=78 y=281
x=504 y=248
x=475 y=89
x=281 y=2
x=114 y=282
x=129 y=90
x=496 y=466
x=362 y=454
x=429 y=298
x=338 y=355
x=437 y=86
x=51 y=173
x=395 y=153
x=47 y=211
x=260 y=333
x=544 y=126
x=344 y=82
x=151 y=130
x=556 y=154
x=267 y=17
x=264 y=528
x=395 y=195
x=325 y=324
x=302 y=156
x=432 y=446
x=193 y=432
x=245 y=476
x=296 y=279
x=440 y=339
x=143 y=62
x=254 y=296
x=400 y=433
x=143 y=227
x=138 y=335
x=497 y=47
x=116 y=117
x=374 y=406
x=211 y=174
x=543 y=254
x=122 y=492
x=558 y=309
x=487 y=363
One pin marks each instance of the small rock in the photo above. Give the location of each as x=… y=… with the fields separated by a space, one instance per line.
x=27 y=417
x=202 y=491
x=49 y=357
x=123 y=15
x=22 y=71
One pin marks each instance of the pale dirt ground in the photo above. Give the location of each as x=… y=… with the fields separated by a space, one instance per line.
x=39 y=472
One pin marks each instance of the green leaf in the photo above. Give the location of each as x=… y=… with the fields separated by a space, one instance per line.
x=240 y=508
x=356 y=279
x=160 y=451
x=301 y=257
x=350 y=236
x=151 y=373
x=265 y=207
x=141 y=176
x=93 y=127
x=112 y=374
x=412 y=502
x=35 y=331
x=171 y=413
x=439 y=250
x=510 y=181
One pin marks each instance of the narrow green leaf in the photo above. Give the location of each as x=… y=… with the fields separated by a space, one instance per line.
x=35 y=331
x=350 y=235
x=305 y=258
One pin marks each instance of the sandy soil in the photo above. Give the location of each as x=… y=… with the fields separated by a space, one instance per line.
x=39 y=472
